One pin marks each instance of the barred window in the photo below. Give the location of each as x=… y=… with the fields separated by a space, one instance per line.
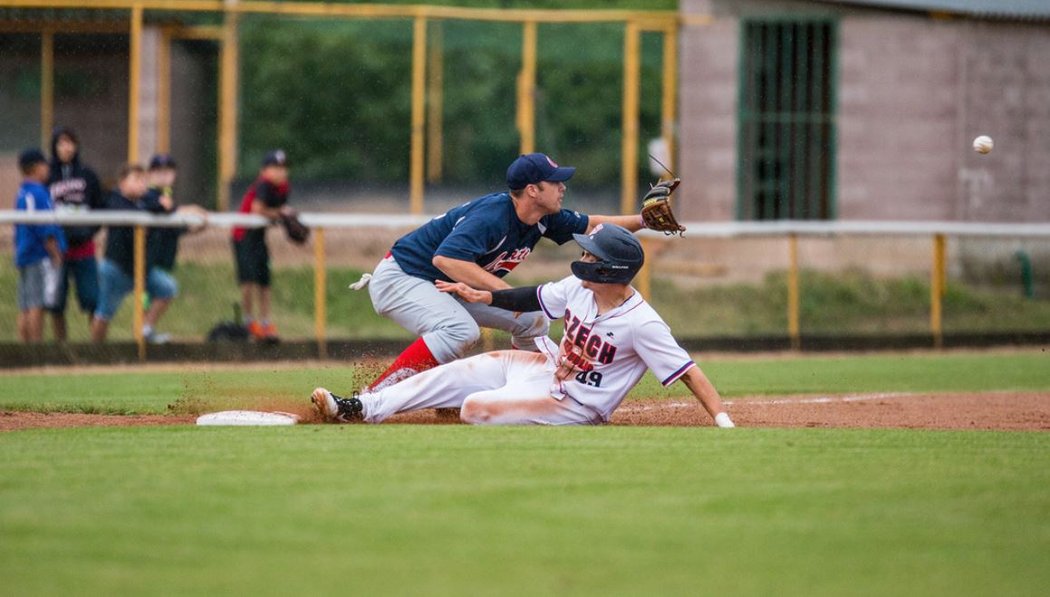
x=786 y=166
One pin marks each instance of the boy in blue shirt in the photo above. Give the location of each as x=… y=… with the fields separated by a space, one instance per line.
x=38 y=248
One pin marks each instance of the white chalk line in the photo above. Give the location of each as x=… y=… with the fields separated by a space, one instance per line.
x=814 y=400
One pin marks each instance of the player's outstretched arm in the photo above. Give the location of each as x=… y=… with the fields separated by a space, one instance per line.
x=632 y=222
x=705 y=392
x=471 y=295
x=519 y=300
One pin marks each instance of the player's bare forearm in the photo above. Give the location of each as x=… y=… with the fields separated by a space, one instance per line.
x=705 y=391
x=194 y=210
x=469 y=273
x=632 y=222
x=471 y=295
x=51 y=246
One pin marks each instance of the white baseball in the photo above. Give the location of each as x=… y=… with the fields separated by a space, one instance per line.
x=983 y=144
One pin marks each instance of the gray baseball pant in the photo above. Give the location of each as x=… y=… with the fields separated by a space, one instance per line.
x=449 y=326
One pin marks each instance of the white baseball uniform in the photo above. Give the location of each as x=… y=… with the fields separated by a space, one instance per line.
x=580 y=381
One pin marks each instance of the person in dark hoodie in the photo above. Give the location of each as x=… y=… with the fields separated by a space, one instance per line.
x=74 y=187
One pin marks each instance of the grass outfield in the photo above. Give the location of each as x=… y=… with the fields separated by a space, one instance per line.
x=452 y=510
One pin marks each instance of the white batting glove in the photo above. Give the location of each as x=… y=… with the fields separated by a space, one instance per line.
x=722 y=420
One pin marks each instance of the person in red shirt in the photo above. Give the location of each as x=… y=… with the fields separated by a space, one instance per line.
x=267 y=196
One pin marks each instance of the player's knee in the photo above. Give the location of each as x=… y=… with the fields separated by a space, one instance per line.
x=533 y=325
x=475 y=412
x=462 y=337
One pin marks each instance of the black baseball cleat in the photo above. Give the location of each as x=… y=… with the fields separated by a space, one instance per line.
x=337 y=409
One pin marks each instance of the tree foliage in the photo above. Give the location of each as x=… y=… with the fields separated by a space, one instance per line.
x=337 y=96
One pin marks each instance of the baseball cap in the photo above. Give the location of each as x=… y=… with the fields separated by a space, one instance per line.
x=533 y=168
x=30 y=157
x=276 y=157
x=161 y=160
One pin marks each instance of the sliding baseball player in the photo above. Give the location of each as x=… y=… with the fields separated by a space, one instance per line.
x=478 y=243
x=612 y=336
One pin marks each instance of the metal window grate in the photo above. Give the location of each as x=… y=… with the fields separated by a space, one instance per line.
x=786 y=120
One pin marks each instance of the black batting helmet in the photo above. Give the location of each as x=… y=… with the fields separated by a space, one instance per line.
x=619 y=254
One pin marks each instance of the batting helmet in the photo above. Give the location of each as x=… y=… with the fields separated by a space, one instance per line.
x=619 y=254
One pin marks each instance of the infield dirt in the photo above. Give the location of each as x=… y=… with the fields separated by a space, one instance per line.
x=998 y=411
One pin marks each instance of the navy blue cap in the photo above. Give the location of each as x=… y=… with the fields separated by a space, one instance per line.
x=276 y=157
x=29 y=157
x=534 y=168
x=161 y=160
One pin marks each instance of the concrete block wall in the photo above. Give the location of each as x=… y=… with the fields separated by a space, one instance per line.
x=913 y=92
x=707 y=156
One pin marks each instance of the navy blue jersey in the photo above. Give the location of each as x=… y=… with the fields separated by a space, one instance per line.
x=486 y=231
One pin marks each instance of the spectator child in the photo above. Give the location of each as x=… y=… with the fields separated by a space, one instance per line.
x=267 y=196
x=163 y=242
x=38 y=249
x=117 y=270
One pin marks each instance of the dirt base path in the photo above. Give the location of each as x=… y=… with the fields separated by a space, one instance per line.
x=1013 y=411
x=993 y=411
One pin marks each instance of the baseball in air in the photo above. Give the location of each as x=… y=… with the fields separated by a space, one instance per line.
x=983 y=144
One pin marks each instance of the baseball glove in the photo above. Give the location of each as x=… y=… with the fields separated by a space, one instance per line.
x=297 y=232
x=656 y=208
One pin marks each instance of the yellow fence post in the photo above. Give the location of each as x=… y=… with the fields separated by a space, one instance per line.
x=435 y=103
x=419 y=72
x=669 y=104
x=134 y=82
x=47 y=87
x=140 y=289
x=229 y=58
x=629 y=148
x=527 y=89
x=794 y=329
x=937 y=279
x=320 y=294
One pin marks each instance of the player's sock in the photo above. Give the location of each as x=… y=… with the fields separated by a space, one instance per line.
x=414 y=359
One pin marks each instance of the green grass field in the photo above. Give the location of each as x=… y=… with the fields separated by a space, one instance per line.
x=452 y=510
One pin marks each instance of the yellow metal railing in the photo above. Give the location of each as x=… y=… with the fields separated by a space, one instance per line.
x=794 y=327
x=140 y=289
x=527 y=89
x=320 y=293
x=631 y=93
x=791 y=231
x=134 y=83
x=419 y=73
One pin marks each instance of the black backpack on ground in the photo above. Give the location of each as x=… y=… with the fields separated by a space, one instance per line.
x=230 y=331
